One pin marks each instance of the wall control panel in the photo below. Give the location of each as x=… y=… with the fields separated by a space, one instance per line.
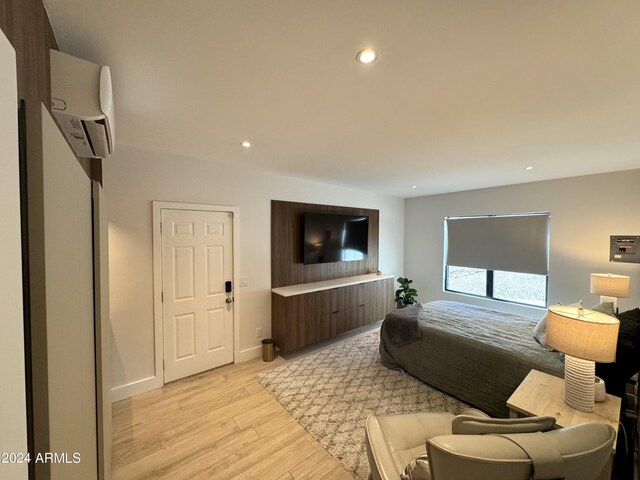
x=625 y=248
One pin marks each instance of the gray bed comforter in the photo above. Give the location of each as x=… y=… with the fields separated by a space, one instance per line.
x=475 y=354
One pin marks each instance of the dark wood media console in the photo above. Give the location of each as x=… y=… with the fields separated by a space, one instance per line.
x=308 y=313
x=310 y=303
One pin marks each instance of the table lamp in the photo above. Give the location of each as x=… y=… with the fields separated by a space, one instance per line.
x=585 y=337
x=610 y=287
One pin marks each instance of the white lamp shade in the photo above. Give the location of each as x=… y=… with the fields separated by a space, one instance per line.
x=610 y=285
x=583 y=333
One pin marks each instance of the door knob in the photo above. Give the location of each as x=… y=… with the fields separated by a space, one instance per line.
x=229 y=300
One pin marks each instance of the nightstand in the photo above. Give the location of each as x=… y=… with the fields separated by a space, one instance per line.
x=541 y=394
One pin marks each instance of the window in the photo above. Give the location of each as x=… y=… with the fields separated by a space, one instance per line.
x=467 y=280
x=501 y=257
x=525 y=288
x=516 y=287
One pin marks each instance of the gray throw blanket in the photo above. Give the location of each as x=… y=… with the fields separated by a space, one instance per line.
x=402 y=325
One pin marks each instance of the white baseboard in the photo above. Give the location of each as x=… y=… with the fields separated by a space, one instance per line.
x=151 y=383
x=248 y=354
x=135 y=388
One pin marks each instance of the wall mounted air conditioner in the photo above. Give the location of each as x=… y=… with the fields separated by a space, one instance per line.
x=82 y=103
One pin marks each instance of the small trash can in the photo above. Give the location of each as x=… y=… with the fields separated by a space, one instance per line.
x=268 y=350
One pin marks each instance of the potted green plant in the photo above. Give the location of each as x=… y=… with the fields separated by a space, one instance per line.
x=406 y=294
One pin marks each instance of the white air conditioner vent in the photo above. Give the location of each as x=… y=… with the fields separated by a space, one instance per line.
x=82 y=103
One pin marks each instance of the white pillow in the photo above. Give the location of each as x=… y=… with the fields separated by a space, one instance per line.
x=540 y=333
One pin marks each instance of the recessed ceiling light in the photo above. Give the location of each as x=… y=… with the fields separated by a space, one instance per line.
x=246 y=144
x=528 y=168
x=414 y=186
x=366 y=56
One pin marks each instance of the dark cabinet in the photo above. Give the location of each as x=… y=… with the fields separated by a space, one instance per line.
x=304 y=319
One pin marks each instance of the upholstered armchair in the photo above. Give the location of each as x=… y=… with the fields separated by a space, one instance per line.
x=442 y=446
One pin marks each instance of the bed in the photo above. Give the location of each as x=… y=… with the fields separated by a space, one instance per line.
x=475 y=354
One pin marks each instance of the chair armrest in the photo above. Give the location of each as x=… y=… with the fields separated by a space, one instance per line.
x=380 y=460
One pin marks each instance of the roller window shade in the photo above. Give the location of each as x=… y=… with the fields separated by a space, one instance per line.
x=511 y=243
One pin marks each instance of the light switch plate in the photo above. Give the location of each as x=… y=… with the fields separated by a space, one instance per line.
x=244 y=281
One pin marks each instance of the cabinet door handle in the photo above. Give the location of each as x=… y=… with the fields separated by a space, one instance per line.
x=337 y=311
x=361 y=305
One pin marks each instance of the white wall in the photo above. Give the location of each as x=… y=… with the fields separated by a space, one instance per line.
x=13 y=420
x=135 y=177
x=585 y=211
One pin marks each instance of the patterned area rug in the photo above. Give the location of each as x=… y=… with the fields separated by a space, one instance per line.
x=332 y=392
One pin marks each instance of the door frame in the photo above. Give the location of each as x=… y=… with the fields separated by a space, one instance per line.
x=157 y=276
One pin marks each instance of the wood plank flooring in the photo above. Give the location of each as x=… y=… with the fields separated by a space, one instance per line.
x=219 y=424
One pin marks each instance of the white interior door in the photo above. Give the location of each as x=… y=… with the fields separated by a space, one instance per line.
x=197 y=312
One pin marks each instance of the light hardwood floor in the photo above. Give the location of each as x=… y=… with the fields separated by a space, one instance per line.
x=219 y=424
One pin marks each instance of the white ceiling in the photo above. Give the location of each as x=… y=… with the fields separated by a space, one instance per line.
x=465 y=94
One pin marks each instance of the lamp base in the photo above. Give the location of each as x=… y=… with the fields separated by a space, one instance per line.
x=579 y=383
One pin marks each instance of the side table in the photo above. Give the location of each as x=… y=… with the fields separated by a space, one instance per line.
x=541 y=394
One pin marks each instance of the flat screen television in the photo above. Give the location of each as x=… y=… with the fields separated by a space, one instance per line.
x=335 y=238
